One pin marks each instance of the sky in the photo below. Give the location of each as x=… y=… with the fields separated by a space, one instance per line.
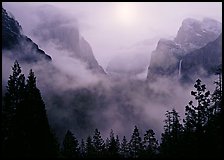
x=111 y=27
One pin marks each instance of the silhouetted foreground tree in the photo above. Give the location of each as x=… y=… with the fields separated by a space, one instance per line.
x=11 y=102
x=150 y=144
x=70 y=146
x=201 y=136
x=90 y=150
x=135 y=144
x=26 y=131
x=113 y=146
x=173 y=130
x=125 y=150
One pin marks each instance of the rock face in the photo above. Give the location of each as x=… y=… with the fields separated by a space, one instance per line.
x=64 y=37
x=63 y=32
x=23 y=48
x=170 y=55
x=165 y=58
x=194 y=34
x=203 y=61
x=87 y=56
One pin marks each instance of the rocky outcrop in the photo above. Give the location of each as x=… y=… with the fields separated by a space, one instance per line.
x=192 y=35
x=203 y=61
x=22 y=48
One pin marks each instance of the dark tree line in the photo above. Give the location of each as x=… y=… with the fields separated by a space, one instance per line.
x=26 y=131
x=96 y=147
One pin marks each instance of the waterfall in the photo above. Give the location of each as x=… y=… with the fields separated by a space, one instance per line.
x=179 y=71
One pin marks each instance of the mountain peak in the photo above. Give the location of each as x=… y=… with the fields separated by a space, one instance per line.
x=190 y=21
x=211 y=25
x=194 y=34
x=13 y=39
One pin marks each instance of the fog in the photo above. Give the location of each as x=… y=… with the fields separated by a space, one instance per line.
x=73 y=102
x=81 y=100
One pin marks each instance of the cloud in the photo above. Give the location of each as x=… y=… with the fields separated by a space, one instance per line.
x=77 y=103
x=132 y=60
x=55 y=27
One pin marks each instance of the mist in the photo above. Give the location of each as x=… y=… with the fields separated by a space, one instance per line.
x=81 y=100
x=82 y=104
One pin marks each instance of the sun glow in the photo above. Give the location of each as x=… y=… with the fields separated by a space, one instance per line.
x=126 y=13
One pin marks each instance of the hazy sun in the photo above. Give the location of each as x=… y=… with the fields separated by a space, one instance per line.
x=126 y=13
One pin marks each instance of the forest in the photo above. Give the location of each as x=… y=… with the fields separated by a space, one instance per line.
x=26 y=131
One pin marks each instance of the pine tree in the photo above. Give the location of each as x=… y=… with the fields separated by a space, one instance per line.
x=197 y=116
x=90 y=150
x=70 y=146
x=16 y=86
x=150 y=144
x=113 y=145
x=217 y=94
x=177 y=128
x=171 y=138
x=214 y=127
x=107 y=143
x=136 y=147
x=196 y=120
x=25 y=126
x=98 y=143
x=82 y=149
x=124 y=151
x=12 y=100
x=33 y=119
x=118 y=143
